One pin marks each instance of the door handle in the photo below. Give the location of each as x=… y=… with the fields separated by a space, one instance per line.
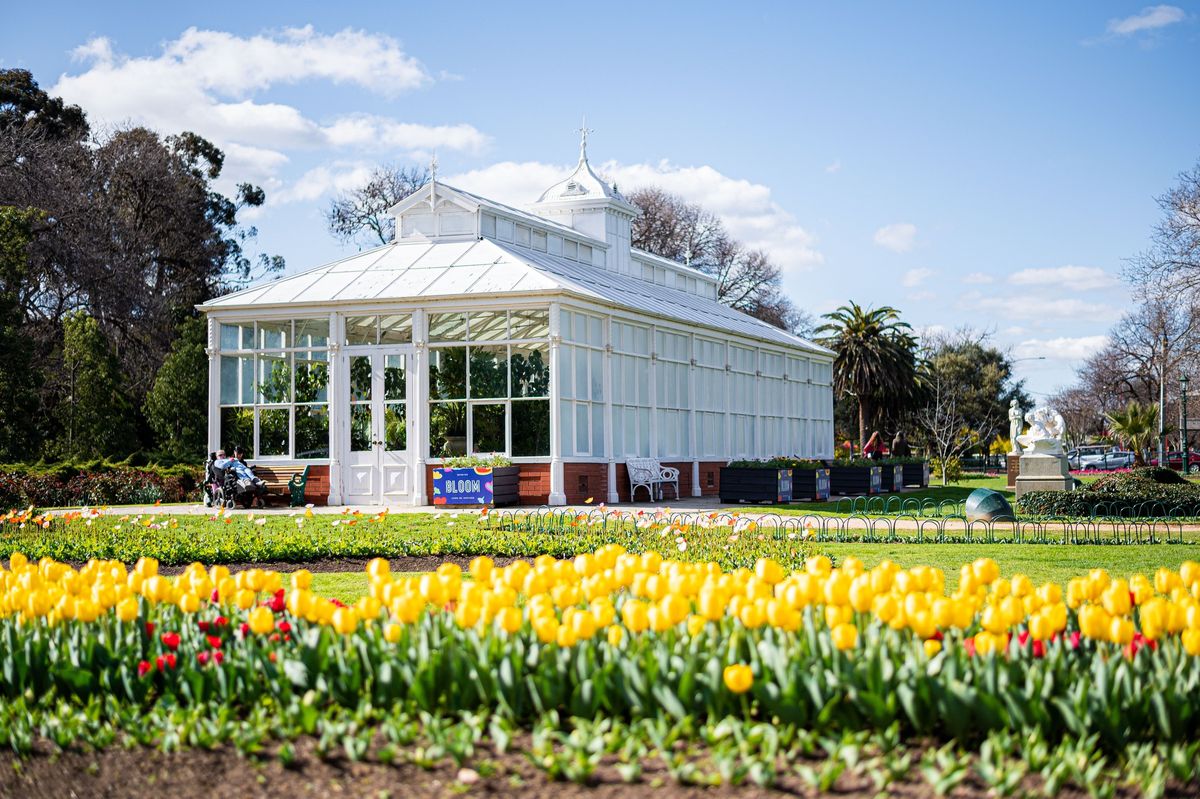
x=377 y=443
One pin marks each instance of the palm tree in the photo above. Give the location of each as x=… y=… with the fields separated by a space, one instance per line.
x=1135 y=427
x=876 y=359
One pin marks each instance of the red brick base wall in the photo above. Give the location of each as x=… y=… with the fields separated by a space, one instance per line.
x=316 y=490
x=710 y=480
x=584 y=481
x=533 y=487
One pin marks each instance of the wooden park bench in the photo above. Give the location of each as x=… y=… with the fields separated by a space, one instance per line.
x=284 y=482
x=650 y=474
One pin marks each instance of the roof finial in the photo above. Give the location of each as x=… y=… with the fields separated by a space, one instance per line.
x=583 y=134
x=433 y=167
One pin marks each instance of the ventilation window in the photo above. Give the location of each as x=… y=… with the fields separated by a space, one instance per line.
x=583 y=484
x=708 y=480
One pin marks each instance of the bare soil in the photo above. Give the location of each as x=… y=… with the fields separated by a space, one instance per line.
x=139 y=773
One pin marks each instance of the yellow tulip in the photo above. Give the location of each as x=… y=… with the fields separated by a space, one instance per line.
x=261 y=621
x=508 y=620
x=932 y=647
x=392 y=632
x=127 y=609
x=344 y=620
x=615 y=635
x=845 y=636
x=738 y=678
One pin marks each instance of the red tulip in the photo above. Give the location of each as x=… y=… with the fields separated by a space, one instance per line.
x=218 y=656
x=171 y=641
x=149 y=628
x=285 y=627
x=202 y=658
x=220 y=621
x=170 y=657
x=203 y=625
x=143 y=668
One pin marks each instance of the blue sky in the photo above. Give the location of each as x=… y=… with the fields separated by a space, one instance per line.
x=969 y=164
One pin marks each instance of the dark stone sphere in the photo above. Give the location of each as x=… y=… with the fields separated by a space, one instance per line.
x=986 y=505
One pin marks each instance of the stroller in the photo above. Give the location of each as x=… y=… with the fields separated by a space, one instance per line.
x=221 y=488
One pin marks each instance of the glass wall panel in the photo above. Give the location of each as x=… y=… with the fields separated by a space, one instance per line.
x=274 y=378
x=448 y=373
x=312 y=333
x=530 y=324
x=395 y=329
x=360 y=378
x=362 y=330
x=274 y=335
x=489 y=326
x=237 y=429
x=394 y=378
x=312 y=431
x=530 y=369
x=489 y=372
x=487 y=427
x=447 y=429
x=312 y=378
x=530 y=428
x=448 y=327
x=273 y=432
x=395 y=426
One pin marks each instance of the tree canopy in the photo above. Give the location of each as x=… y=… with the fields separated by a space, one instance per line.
x=122 y=228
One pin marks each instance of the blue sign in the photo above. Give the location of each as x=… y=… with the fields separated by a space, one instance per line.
x=822 y=487
x=470 y=486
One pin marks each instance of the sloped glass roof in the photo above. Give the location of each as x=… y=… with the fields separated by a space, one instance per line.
x=415 y=270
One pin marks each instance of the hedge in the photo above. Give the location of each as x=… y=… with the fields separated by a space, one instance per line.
x=1144 y=492
x=97 y=483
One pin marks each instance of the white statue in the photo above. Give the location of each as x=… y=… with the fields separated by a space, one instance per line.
x=1046 y=429
x=1014 y=425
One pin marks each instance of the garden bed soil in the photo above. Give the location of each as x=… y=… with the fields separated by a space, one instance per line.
x=142 y=773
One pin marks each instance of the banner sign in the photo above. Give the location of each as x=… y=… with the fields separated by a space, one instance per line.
x=471 y=486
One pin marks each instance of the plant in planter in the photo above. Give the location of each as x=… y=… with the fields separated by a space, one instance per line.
x=476 y=480
x=856 y=476
x=757 y=481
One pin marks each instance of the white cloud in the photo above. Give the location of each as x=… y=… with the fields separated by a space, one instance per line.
x=898 y=237
x=321 y=180
x=1079 y=278
x=1061 y=349
x=210 y=81
x=1044 y=310
x=1150 y=18
x=915 y=277
x=978 y=279
x=748 y=209
x=834 y=168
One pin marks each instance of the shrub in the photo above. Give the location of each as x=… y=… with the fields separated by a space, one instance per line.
x=473 y=461
x=1146 y=491
x=777 y=463
x=953 y=469
x=96 y=483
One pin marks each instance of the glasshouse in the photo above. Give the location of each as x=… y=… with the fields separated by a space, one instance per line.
x=539 y=335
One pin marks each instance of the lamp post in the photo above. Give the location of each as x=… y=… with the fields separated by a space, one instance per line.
x=1183 y=433
x=1162 y=403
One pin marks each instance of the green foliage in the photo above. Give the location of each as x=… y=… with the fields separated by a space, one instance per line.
x=20 y=381
x=1135 y=426
x=777 y=463
x=177 y=405
x=1145 y=492
x=184 y=538
x=876 y=359
x=471 y=461
x=953 y=469
x=95 y=413
x=980 y=377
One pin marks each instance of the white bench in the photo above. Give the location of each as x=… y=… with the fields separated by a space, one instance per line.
x=650 y=474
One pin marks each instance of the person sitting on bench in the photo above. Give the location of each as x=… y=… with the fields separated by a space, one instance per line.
x=248 y=482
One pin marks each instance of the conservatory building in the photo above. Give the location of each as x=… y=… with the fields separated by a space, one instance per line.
x=542 y=335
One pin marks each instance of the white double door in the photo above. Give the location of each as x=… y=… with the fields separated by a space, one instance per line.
x=378 y=468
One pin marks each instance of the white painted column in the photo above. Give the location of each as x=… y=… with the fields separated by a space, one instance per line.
x=558 y=495
x=728 y=395
x=338 y=393
x=418 y=394
x=610 y=448
x=693 y=446
x=213 y=351
x=653 y=366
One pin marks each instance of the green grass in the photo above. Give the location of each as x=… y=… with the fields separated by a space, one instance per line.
x=346 y=586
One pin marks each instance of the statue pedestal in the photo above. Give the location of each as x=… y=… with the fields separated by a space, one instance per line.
x=1044 y=473
x=1013 y=462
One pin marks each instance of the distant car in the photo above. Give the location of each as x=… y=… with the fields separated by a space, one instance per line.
x=1175 y=461
x=1099 y=458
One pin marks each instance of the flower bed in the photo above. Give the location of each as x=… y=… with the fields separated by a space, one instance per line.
x=623 y=639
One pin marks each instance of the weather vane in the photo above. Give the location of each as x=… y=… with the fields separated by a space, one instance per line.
x=583 y=134
x=433 y=167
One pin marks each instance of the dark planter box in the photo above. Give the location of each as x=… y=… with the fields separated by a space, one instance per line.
x=756 y=485
x=810 y=484
x=891 y=478
x=855 y=479
x=482 y=485
x=916 y=474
